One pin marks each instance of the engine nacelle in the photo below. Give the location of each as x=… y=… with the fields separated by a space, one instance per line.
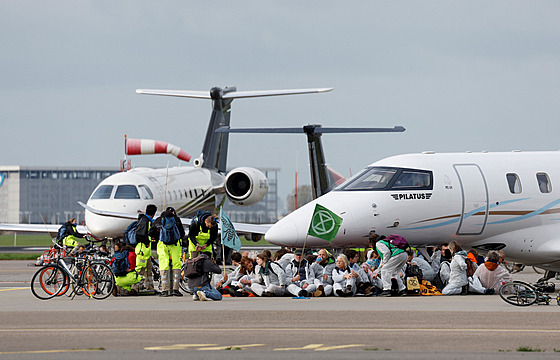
x=245 y=186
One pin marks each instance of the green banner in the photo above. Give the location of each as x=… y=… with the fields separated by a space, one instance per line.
x=324 y=223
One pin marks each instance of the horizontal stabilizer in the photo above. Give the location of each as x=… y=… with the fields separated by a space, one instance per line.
x=232 y=94
x=316 y=130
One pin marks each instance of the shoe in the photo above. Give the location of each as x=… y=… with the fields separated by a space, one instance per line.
x=267 y=294
x=133 y=292
x=489 y=292
x=348 y=291
x=401 y=293
x=465 y=290
x=165 y=294
x=115 y=291
x=320 y=290
x=385 y=293
x=202 y=296
x=303 y=293
x=177 y=293
x=367 y=291
x=195 y=298
x=340 y=293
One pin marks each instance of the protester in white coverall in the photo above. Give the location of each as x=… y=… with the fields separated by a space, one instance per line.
x=458 y=276
x=392 y=261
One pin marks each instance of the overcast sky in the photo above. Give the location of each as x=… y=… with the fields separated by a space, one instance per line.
x=459 y=75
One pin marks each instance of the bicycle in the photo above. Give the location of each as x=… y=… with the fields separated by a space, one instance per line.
x=94 y=279
x=520 y=293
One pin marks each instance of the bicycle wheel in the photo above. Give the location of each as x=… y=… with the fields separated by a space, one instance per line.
x=518 y=293
x=48 y=282
x=183 y=280
x=105 y=280
x=87 y=281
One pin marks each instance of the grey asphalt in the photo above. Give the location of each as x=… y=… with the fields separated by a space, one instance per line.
x=466 y=327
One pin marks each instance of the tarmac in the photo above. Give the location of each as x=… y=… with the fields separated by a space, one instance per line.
x=150 y=327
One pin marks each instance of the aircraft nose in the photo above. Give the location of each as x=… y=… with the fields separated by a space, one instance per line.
x=283 y=233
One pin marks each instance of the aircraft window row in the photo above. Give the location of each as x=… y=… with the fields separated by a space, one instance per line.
x=543 y=181
x=381 y=178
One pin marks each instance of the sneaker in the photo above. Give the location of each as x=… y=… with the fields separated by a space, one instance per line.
x=385 y=293
x=165 y=294
x=195 y=298
x=489 y=292
x=319 y=291
x=303 y=293
x=202 y=295
x=401 y=293
x=340 y=293
x=177 y=293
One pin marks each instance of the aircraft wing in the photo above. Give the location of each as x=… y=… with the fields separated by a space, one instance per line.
x=244 y=228
x=37 y=228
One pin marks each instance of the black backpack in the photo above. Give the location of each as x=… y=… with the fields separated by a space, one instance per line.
x=414 y=270
x=194 y=267
x=120 y=264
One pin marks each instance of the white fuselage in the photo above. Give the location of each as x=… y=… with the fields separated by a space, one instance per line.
x=186 y=189
x=485 y=200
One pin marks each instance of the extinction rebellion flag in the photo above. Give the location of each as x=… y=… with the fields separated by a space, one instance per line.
x=324 y=223
x=229 y=235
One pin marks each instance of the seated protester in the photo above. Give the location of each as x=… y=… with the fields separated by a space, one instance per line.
x=458 y=280
x=71 y=235
x=427 y=270
x=200 y=286
x=443 y=259
x=269 y=279
x=490 y=274
x=123 y=265
x=440 y=255
x=325 y=264
x=392 y=261
x=363 y=282
x=283 y=257
x=224 y=280
x=301 y=278
x=370 y=267
x=344 y=283
x=247 y=273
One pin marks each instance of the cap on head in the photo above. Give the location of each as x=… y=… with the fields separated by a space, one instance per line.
x=170 y=209
x=298 y=252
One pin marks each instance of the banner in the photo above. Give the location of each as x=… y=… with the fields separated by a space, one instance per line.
x=229 y=235
x=324 y=223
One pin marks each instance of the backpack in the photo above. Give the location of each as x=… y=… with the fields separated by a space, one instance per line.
x=413 y=276
x=120 y=264
x=62 y=233
x=414 y=270
x=194 y=267
x=397 y=241
x=169 y=232
x=130 y=234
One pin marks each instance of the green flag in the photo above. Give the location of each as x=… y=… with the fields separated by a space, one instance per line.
x=324 y=223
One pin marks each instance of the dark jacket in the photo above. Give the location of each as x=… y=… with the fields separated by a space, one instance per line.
x=70 y=230
x=208 y=267
x=195 y=226
x=142 y=229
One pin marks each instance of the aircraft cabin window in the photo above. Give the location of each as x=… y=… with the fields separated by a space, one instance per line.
x=145 y=192
x=514 y=183
x=374 y=178
x=127 y=192
x=544 y=183
x=411 y=179
x=103 y=192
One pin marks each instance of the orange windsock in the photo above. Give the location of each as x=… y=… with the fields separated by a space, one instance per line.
x=147 y=146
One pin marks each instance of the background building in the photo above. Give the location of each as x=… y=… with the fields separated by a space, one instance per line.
x=50 y=194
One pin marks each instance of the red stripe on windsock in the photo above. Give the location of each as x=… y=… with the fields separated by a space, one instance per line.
x=184 y=156
x=133 y=147
x=160 y=147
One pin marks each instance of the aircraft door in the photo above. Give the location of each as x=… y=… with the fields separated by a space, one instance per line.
x=474 y=214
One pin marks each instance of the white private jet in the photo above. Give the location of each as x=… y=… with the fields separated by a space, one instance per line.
x=119 y=199
x=481 y=200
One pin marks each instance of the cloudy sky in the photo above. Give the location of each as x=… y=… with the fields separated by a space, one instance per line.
x=460 y=75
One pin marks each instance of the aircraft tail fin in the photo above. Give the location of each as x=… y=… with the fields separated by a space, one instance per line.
x=214 y=150
x=322 y=179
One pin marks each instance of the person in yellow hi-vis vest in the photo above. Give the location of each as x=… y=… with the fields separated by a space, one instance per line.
x=203 y=232
x=171 y=231
x=71 y=235
x=143 y=248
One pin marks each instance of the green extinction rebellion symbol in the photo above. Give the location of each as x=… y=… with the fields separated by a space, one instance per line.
x=324 y=223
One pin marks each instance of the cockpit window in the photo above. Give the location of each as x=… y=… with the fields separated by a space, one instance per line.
x=412 y=179
x=385 y=178
x=145 y=192
x=374 y=178
x=127 y=192
x=103 y=192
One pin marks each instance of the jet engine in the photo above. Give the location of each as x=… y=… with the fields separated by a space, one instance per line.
x=245 y=186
